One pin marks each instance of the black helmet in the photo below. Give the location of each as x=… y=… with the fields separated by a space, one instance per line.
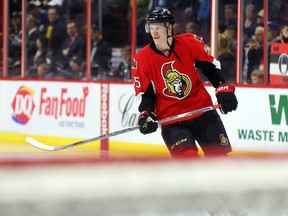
x=160 y=15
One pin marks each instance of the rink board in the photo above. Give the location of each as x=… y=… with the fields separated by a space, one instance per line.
x=64 y=112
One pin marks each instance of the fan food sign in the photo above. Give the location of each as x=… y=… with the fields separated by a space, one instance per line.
x=63 y=104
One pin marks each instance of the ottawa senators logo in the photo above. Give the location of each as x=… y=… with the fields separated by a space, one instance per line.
x=177 y=85
x=223 y=140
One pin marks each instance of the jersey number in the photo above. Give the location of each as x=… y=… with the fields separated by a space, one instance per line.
x=137 y=82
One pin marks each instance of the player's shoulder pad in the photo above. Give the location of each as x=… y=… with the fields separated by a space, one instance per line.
x=189 y=36
x=143 y=50
x=143 y=53
x=191 y=40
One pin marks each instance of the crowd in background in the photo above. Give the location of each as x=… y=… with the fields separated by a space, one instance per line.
x=56 y=40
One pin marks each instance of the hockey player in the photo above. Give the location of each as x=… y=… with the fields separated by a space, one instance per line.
x=164 y=74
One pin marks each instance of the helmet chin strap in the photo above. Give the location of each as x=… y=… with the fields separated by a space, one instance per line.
x=167 y=32
x=167 y=26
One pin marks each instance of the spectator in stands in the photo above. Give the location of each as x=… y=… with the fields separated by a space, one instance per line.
x=257 y=77
x=183 y=10
x=76 y=68
x=230 y=15
x=250 y=21
x=123 y=72
x=62 y=6
x=74 y=44
x=272 y=32
x=15 y=25
x=101 y=54
x=194 y=27
x=32 y=35
x=44 y=71
x=14 y=45
x=58 y=3
x=283 y=34
x=55 y=31
x=221 y=27
x=41 y=56
x=260 y=17
x=186 y=15
x=114 y=22
x=255 y=52
x=226 y=58
x=178 y=28
x=35 y=8
x=230 y=31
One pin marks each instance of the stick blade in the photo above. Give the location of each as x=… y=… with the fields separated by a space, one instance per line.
x=39 y=145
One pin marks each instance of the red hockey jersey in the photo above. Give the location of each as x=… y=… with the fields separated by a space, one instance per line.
x=175 y=80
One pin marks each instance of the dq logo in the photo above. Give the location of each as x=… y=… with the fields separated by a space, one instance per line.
x=23 y=105
x=283 y=63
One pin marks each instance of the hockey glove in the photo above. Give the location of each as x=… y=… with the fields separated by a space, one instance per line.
x=147 y=122
x=226 y=97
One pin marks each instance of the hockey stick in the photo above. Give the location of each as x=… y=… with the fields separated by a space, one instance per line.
x=46 y=147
